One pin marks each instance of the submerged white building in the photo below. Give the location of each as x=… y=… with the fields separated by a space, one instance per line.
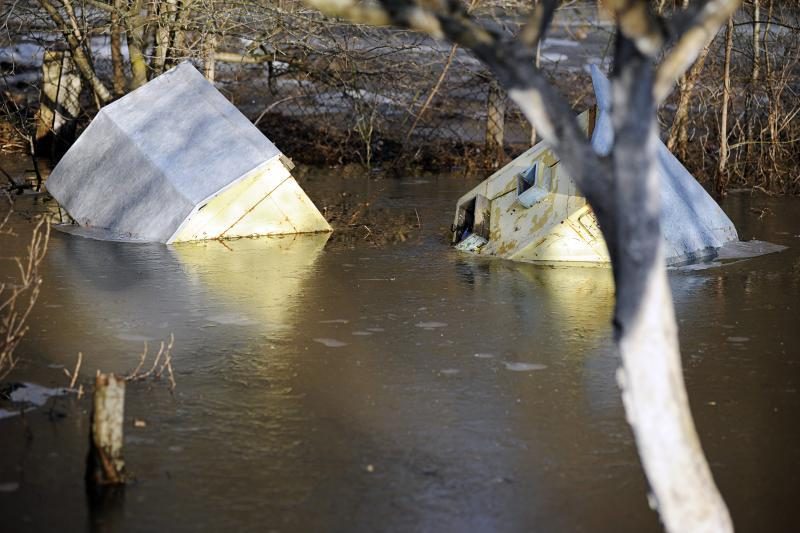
x=175 y=161
x=531 y=210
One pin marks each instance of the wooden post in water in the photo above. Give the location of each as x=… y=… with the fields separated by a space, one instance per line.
x=106 y=465
x=495 y=124
x=59 y=104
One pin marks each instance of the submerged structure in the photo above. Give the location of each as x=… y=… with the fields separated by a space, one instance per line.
x=531 y=210
x=175 y=161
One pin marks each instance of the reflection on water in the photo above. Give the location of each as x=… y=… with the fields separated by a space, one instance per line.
x=398 y=388
x=133 y=291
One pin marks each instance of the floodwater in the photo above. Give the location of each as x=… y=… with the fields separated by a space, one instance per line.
x=341 y=386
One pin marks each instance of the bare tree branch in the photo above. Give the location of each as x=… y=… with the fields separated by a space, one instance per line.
x=637 y=22
x=538 y=22
x=78 y=55
x=698 y=33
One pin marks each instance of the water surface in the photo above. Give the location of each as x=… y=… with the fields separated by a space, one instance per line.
x=330 y=386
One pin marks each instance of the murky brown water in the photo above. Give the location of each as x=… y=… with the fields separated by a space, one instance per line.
x=324 y=387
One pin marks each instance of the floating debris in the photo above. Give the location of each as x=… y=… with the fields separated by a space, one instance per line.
x=330 y=343
x=27 y=396
x=523 y=367
x=431 y=325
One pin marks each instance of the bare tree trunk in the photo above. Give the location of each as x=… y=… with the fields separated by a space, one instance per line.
x=755 y=74
x=78 y=54
x=165 y=26
x=178 y=38
x=209 y=60
x=538 y=63
x=59 y=104
x=135 y=34
x=774 y=91
x=116 y=51
x=722 y=170
x=678 y=140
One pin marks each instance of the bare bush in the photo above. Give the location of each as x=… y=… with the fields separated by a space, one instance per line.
x=18 y=296
x=736 y=120
x=329 y=91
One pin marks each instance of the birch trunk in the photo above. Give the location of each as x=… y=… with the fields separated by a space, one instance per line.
x=116 y=51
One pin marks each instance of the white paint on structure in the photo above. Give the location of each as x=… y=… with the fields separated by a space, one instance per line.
x=536 y=213
x=175 y=161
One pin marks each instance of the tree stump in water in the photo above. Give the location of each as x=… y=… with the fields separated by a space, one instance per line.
x=105 y=465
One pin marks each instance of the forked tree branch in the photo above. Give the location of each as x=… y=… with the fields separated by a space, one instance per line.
x=637 y=22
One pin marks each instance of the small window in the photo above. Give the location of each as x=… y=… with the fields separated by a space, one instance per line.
x=527 y=178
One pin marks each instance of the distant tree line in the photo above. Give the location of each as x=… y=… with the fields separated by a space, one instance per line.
x=733 y=118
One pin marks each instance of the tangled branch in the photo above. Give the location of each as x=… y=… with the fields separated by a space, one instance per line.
x=18 y=297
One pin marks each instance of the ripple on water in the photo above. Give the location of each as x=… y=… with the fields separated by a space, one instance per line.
x=134 y=338
x=738 y=339
x=431 y=325
x=523 y=367
x=330 y=343
x=232 y=319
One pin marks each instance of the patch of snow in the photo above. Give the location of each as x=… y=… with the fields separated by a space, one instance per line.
x=30 y=396
x=25 y=54
x=554 y=41
x=553 y=57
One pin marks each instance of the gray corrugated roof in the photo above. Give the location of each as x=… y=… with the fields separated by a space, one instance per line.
x=148 y=159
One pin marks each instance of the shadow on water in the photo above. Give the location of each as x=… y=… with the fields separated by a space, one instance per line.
x=397 y=388
x=106 y=509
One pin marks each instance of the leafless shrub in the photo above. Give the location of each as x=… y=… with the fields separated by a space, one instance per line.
x=328 y=91
x=162 y=364
x=18 y=296
x=762 y=133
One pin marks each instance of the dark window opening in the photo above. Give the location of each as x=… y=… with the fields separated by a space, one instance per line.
x=527 y=179
x=466 y=220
